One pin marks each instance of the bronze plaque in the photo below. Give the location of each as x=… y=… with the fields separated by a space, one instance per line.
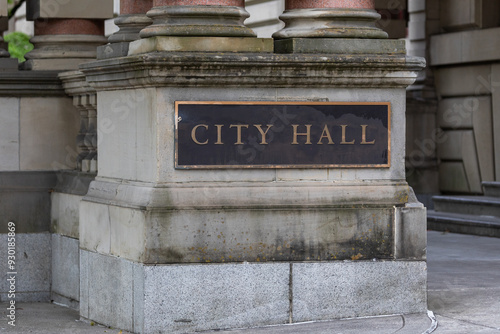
x=282 y=134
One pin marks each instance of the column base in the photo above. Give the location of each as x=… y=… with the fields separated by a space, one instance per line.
x=201 y=44
x=340 y=46
x=62 y=52
x=330 y=23
x=159 y=298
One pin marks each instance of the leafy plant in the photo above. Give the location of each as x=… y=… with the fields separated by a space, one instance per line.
x=19 y=44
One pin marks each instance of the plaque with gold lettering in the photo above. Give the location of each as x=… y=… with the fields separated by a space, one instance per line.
x=282 y=134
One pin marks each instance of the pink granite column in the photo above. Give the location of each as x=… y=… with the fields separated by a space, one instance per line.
x=221 y=18
x=63 y=44
x=330 y=19
x=132 y=20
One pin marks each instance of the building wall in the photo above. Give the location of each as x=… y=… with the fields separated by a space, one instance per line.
x=462 y=57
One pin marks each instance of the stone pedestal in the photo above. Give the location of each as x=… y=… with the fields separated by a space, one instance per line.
x=199 y=25
x=188 y=250
x=341 y=26
x=66 y=35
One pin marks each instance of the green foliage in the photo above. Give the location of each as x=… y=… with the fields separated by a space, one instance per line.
x=19 y=44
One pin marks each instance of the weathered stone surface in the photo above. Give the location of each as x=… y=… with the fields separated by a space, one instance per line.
x=200 y=44
x=411 y=231
x=160 y=69
x=141 y=209
x=65 y=287
x=237 y=234
x=106 y=286
x=339 y=46
x=9 y=134
x=48 y=127
x=195 y=20
x=33 y=266
x=189 y=298
x=152 y=126
x=73 y=182
x=25 y=200
x=352 y=289
x=65 y=214
x=180 y=298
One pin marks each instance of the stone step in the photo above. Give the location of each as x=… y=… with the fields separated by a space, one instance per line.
x=468 y=205
x=465 y=224
x=491 y=189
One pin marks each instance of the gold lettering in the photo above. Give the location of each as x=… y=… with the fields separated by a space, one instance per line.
x=262 y=133
x=325 y=134
x=219 y=134
x=344 y=142
x=193 y=134
x=363 y=136
x=296 y=134
x=238 y=132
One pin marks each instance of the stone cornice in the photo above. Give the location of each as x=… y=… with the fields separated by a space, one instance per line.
x=159 y=69
x=30 y=83
x=258 y=195
x=74 y=83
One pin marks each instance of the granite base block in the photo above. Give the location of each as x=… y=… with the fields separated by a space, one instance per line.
x=323 y=291
x=202 y=297
x=188 y=298
x=33 y=267
x=65 y=270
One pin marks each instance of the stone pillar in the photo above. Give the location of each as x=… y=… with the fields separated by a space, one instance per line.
x=131 y=21
x=336 y=26
x=199 y=25
x=245 y=239
x=68 y=34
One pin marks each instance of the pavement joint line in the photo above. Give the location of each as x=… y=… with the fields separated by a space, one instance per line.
x=404 y=323
x=467 y=322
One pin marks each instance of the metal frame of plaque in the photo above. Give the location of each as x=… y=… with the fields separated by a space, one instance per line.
x=230 y=134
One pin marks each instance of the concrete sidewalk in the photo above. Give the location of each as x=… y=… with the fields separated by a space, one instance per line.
x=463 y=292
